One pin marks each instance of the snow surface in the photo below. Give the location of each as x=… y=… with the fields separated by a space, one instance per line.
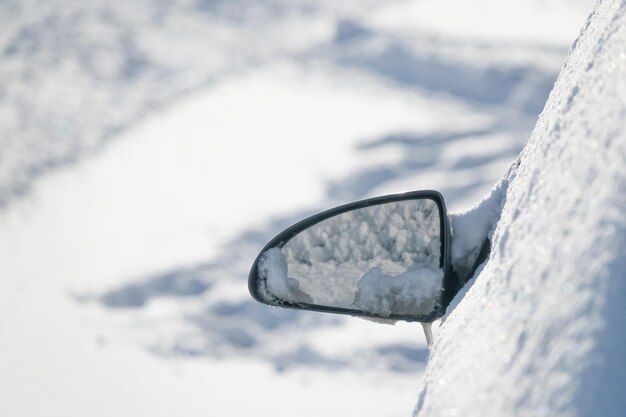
x=148 y=151
x=542 y=330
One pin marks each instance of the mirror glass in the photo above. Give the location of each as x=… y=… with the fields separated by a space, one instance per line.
x=383 y=259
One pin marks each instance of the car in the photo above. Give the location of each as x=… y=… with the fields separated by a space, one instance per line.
x=539 y=327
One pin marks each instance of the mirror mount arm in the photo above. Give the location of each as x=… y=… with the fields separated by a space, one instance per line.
x=485 y=250
x=460 y=281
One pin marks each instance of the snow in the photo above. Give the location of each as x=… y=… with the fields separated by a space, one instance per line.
x=148 y=151
x=541 y=330
x=470 y=228
x=278 y=285
x=412 y=292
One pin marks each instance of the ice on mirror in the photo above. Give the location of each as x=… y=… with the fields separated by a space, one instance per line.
x=383 y=259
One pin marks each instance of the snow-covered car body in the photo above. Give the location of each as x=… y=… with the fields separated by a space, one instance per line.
x=542 y=330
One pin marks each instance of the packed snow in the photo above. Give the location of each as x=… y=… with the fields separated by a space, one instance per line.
x=277 y=284
x=413 y=292
x=541 y=332
x=148 y=151
x=472 y=227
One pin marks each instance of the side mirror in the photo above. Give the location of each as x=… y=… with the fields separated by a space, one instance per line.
x=386 y=257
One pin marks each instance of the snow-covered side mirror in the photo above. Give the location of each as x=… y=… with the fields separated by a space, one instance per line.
x=386 y=257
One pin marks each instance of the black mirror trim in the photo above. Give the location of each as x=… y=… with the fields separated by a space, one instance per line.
x=450 y=284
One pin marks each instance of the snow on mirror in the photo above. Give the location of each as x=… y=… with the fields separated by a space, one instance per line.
x=384 y=260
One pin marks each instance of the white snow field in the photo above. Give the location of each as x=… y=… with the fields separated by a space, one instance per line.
x=542 y=330
x=149 y=149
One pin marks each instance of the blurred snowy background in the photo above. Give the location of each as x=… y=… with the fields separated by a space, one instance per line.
x=149 y=149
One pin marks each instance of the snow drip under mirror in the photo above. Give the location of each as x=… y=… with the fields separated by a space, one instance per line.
x=382 y=259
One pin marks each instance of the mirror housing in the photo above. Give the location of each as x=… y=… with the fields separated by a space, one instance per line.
x=298 y=299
